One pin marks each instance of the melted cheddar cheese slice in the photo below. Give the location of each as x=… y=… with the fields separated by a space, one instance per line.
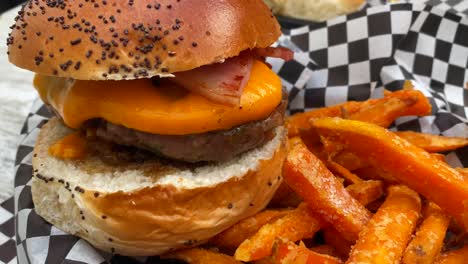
x=165 y=109
x=73 y=146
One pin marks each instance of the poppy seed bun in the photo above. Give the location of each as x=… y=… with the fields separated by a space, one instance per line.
x=151 y=208
x=126 y=39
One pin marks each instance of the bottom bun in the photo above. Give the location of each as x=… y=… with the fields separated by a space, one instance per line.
x=151 y=207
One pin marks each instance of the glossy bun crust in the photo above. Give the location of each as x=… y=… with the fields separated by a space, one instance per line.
x=129 y=39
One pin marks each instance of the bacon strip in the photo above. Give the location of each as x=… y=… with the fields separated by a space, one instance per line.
x=279 y=52
x=220 y=82
x=224 y=82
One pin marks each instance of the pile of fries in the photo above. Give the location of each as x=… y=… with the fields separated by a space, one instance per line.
x=356 y=192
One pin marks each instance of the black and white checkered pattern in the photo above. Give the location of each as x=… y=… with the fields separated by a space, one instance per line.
x=7 y=232
x=347 y=54
x=459 y=7
x=348 y=58
x=435 y=54
x=454 y=6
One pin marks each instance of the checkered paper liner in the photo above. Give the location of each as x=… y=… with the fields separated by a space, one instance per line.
x=348 y=58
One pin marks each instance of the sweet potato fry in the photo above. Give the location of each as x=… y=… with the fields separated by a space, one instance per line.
x=281 y=194
x=294 y=226
x=371 y=173
x=201 y=256
x=323 y=192
x=429 y=239
x=336 y=240
x=375 y=205
x=298 y=122
x=459 y=256
x=343 y=172
x=326 y=250
x=389 y=108
x=433 y=143
x=359 y=167
x=392 y=106
x=290 y=253
x=312 y=140
x=236 y=234
x=406 y=86
x=366 y=191
x=409 y=164
x=285 y=197
x=349 y=160
x=438 y=156
x=385 y=237
x=463 y=172
x=266 y=260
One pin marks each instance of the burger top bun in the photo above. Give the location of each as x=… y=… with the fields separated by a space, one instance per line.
x=131 y=39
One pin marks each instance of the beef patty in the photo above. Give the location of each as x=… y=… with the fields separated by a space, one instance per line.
x=213 y=146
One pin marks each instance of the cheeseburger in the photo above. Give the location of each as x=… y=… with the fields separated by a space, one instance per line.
x=168 y=124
